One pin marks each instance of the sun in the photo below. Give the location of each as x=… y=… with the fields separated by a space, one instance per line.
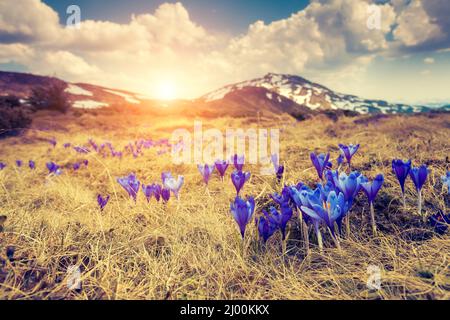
x=167 y=90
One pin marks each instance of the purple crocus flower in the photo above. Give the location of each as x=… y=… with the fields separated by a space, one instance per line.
x=238 y=162
x=242 y=211
x=239 y=178
x=349 y=151
x=52 y=141
x=282 y=218
x=102 y=202
x=32 y=164
x=130 y=184
x=446 y=181
x=153 y=190
x=371 y=190
x=86 y=163
x=279 y=169
x=321 y=162
x=53 y=168
x=206 y=171
x=266 y=226
x=93 y=144
x=401 y=169
x=419 y=176
x=340 y=160
x=174 y=185
x=165 y=195
x=221 y=166
x=330 y=212
x=76 y=166
x=67 y=145
x=19 y=163
x=2 y=165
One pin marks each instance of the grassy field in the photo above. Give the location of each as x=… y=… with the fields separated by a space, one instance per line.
x=191 y=248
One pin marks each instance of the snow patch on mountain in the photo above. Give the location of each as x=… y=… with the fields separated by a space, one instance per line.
x=76 y=90
x=127 y=97
x=89 y=104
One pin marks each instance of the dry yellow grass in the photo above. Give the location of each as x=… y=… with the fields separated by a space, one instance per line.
x=191 y=249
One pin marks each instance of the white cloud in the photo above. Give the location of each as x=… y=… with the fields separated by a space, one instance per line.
x=428 y=60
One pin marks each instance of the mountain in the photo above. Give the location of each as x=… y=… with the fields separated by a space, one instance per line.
x=86 y=96
x=307 y=94
x=271 y=94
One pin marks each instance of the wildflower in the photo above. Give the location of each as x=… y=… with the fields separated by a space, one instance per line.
x=239 y=178
x=419 y=176
x=321 y=162
x=165 y=195
x=282 y=218
x=238 y=162
x=67 y=145
x=153 y=190
x=206 y=171
x=349 y=151
x=2 y=165
x=285 y=196
x=242 y=211
x=221 y=166
x=350 y=185
x=52 y=141
x=279 y=169
x=102 y=202
x=266 y=226
x=32 y=164
x=446 y=181
x=171 y=183
x=130 y=184
x=401 y=169
x=76 y=166
x=19 y=163
x=53 y=168
x=340 y=160
x=85 y=162
x=371 y=190
x=93 y=144
x=333 y=209
x=440 y=222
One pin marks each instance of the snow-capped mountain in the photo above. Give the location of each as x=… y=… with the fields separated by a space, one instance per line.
x=312 y=95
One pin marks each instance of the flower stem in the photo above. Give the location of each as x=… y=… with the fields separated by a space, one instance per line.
x=372 y=216
x=420 y=207
x=306 y=236
x=319 y=238
x=404 y=201
x=335 y=239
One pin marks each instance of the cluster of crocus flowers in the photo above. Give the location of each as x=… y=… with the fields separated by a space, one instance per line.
x=172 y=184
x=131 y=185
x=53 y=168
x=152 y=190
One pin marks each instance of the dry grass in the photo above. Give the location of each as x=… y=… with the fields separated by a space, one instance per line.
x=191 y=249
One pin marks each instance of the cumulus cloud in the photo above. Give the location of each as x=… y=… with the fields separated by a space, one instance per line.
x=328 y=41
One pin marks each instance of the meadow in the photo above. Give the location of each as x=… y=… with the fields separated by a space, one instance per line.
x=191 y=248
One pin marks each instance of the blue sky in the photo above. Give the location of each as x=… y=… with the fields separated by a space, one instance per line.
x=232 y=16
x=395 y=50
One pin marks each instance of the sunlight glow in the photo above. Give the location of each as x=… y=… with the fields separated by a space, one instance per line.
x=167 y=91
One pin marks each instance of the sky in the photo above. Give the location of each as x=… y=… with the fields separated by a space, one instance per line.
x=396 y=50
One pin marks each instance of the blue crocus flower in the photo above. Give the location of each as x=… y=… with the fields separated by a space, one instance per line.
x=53 y=168
x=282 y=218
x=2 y=165
x=239 y=178
x=401 y=169
x=19 y=163
x=350 y=184
x=266 y=226
x=446 y=181
x=340 y=160
x=279 y=169
x=349 y=151
x=32 y=164
x=321 y=162
x=419 y=176
x=242 y=211
x=165 y=195
x=131 y=185
x=371 y=190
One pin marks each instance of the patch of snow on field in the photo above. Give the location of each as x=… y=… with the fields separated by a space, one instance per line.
x=73 y=89
x=127 y=97
x=89 y=104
